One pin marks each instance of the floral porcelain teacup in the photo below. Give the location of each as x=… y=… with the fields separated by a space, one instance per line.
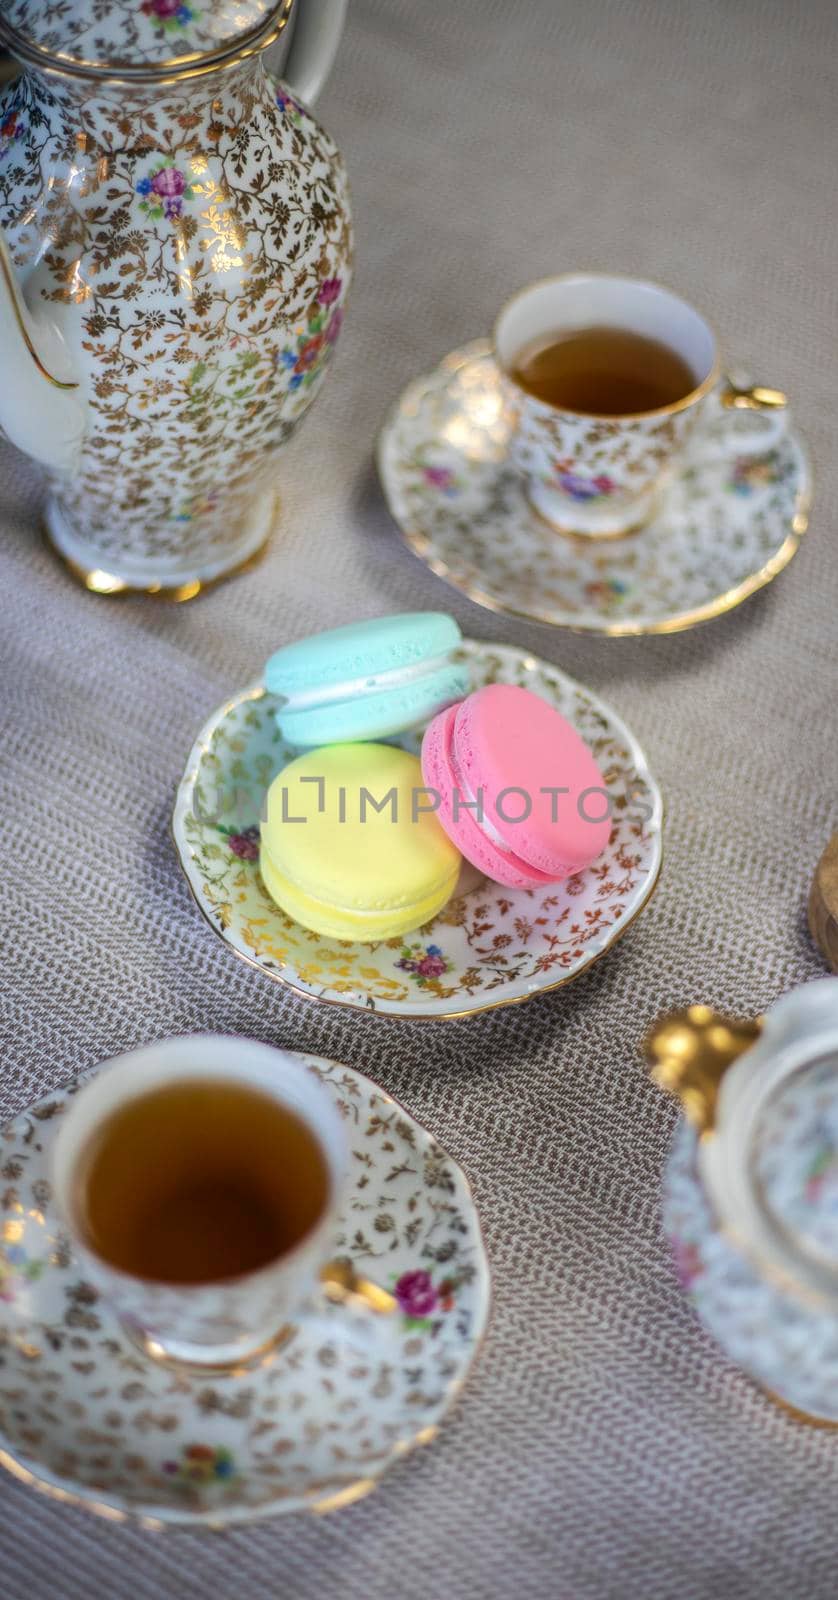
x=600 y=476
x=751 y=1186
x=233 y=1319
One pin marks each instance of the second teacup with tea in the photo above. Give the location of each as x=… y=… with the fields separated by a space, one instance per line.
x=199 y=1179
x=606 y=378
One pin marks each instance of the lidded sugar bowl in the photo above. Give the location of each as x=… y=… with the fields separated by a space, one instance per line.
x=751 y=1186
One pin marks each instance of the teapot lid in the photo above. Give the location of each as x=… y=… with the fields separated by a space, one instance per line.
x=143 y=39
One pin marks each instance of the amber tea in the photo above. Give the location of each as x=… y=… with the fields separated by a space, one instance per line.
x=603 y=372
x=198 y=1181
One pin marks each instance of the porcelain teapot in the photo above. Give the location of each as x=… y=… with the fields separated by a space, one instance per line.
x=751 y=1186
x=176 y=255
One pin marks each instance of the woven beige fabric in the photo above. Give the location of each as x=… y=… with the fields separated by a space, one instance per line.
x=604 y=1449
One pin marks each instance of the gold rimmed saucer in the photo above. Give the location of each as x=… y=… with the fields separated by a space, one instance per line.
x=88 y=1418
x=490 y=946
x=724 y=526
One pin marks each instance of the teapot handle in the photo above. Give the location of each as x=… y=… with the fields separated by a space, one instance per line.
x=318 y=26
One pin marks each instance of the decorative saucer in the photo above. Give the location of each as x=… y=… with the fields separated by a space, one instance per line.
x=490 y=946
x=87 y=1418
x=723 y=528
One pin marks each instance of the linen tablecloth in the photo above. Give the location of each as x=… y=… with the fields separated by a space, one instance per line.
x=604 y=1449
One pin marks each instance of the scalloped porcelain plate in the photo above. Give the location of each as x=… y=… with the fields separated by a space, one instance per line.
x=87 y=1418
x=490 y=946
x=723 y=529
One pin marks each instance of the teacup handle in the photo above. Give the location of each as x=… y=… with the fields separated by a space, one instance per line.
x=769 y=409
x=342 y=1285
x=351 y=1309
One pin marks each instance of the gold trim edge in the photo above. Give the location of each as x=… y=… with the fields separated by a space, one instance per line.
x=173 y=69
x=698 y=391
x=344 y=1495
x=420 y=545
x=177 y=594
x=183 y=851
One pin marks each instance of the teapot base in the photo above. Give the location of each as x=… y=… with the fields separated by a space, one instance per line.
x=174 y=586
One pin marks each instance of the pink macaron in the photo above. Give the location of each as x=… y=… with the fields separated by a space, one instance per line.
x=519 y=791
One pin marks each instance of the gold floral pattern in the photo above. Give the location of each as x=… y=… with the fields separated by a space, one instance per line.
x=590 y=459
x=721 y=531
x=788 y=1346
x=186 y=238
x=85 y=1413
x=491 y=946
x=136 y=32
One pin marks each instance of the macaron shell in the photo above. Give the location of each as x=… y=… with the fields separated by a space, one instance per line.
x=505 y=736
x=499 y=865
x=333 y=923
x=378 y=714
x=361 y=649
x=335 y=866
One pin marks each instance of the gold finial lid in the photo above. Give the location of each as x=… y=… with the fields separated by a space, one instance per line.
x=690 y=1051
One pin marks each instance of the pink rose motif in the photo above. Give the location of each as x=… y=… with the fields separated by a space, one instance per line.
x=439 y=477
x=169 y=182
x=161 y=8
x=244 y=843
x=431 y=966
x=415 y=1293
x=329 y=291
x=246 y=849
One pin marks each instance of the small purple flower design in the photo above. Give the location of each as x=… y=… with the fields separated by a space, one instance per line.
x=441 y=478
x=580 y=488
x=306 y=358
x=164 y=190
x=11 y=130
x=168 y=13
x=329 y=291
x=424 y=965
x=415 y=1294
x=290 y=107
x=243 y=842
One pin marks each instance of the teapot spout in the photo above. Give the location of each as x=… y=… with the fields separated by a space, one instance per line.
x=41 y=409
x=689 y=1053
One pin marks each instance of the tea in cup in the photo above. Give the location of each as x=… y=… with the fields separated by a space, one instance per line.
x=606 y=378
x=199 y=1179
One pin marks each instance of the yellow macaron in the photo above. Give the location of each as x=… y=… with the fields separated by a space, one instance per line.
x=349 y=848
